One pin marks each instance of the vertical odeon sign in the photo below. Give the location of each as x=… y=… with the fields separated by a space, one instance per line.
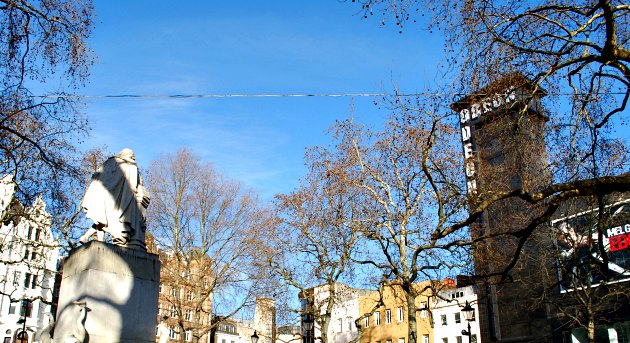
x=468 y=117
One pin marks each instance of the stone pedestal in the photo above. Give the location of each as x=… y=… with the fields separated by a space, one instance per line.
x=120 y=289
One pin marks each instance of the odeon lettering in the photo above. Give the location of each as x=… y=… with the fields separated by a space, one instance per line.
x=486 y=105
x=475 y=111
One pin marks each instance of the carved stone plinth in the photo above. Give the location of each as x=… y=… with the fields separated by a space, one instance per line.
x=120 y=289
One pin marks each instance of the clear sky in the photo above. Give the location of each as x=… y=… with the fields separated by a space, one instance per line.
x=159 y=49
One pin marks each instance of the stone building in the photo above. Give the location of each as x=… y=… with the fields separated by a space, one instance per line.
x=344 y=309
x=184 y=299
x=449 y=321
x=503 y=130
x=29 y=259
x=385 y=319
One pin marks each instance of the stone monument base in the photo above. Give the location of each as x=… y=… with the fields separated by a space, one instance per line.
x=118 y=288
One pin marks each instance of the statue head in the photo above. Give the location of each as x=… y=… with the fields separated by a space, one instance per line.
x=127 y=154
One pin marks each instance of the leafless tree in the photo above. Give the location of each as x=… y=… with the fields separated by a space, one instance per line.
x=316 y=240
x=207 y=228
x=42 y=43
x=575 y=58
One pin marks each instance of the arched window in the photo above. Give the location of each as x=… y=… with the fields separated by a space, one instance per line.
x=21 y=337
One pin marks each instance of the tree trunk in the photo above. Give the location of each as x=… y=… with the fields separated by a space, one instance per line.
x=411 y=313
x=591 y=327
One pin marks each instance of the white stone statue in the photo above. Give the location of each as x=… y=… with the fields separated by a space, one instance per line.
x=44 y=335
x=79 y=334
x=116 y=202
x=162 y=331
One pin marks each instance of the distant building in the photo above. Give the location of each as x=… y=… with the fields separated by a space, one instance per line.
x=235 y=330
x=288 y=334
x=389 y=322
x=29 y=256
x=183 y=300
x=344 y=310
x=449 y=321
x=225 y=331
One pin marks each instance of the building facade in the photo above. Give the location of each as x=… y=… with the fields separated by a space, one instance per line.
x=384 y=315
x=183 y=300
x=449 y=321
x=30 y=256
x=502 y=131
x=342 y=308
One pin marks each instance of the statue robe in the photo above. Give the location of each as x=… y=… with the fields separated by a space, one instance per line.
x=112 y=201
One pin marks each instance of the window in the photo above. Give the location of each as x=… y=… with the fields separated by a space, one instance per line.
x=187 y=335
x=223 y=340
x=366 y=322
x=188 y=315
x=425 y=338
x=12 y=308
x=38 y=233
x=27 y=308
x=16 y=277
x=457 y=294
x=377 y=318
x=27 y=280
x=458 y=339
x=443 y=319
x=458 y=317
x=160 y=289
x=173 y=312
x=304 y=304
x=174 y=291
x=401 y=340
x=388 y=316
x=340 y=325
x=424 y=312
x=189 y=295
x=172 y=334
x=349 y=321
x=400 y=314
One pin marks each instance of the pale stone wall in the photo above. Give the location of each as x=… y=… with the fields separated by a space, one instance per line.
x=265 y=319
x=120 y=289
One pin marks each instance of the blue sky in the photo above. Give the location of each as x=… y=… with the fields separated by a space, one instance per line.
x=156 y=49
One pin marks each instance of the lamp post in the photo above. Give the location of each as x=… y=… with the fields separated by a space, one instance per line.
x=20 y=335
x=308 y=326
x=255 y=337
x=469 y=314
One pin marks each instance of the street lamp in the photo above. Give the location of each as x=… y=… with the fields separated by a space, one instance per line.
x=21 y=335
x=255 y=337
x=308 y=326
x=469 y=314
